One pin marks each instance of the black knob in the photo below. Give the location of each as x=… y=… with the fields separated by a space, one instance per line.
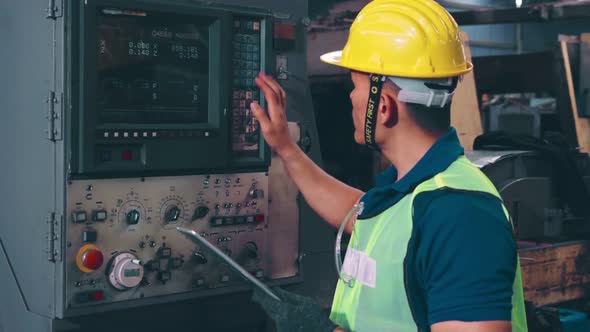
x=172 y=214
x=199 y=258
x=133 y=217
x=251 y=250
x=200 y=212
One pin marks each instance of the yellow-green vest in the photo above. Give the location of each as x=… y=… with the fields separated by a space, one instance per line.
x=385 y=239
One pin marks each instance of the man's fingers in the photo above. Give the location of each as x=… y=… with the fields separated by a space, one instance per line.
x=260 y=114
x=271 y=97
x=275 y=110
x=278 y=90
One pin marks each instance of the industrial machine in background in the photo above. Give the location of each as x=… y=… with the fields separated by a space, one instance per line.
x=535 y=190
x=126 y=119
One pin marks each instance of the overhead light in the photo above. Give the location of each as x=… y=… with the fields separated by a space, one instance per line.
x=518 y=3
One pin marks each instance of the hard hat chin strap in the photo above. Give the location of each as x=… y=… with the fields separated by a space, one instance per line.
x=372 y=110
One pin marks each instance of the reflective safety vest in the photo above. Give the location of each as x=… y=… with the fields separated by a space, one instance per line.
x=385 y=238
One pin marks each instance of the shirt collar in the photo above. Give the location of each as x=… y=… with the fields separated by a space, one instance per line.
x=438 y=158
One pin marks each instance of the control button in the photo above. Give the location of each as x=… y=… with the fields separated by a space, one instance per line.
x=82 y=298
x=92 y=259
x=216 y=221
x=79 y=217
x=199 y=258
x=240 y=220
x=125 y=134
x=227 y=180
x=176 y=263
x=217 y=181
x=89 y=296
x=259 y=274
x=250 y=219
x=99 y=215
x=126 y=155
x=164 y=252
x=164 y=276
x=199 y=283
x=153 y=265
x=106 y=134
x=141 y=244
x=172 y=214
x=260 y=218
x=97 y=296
x=206 y=182
x=224 y=278
x=115 y=134
x=228 y=221
x=132 y=217
x=89 y=236
x=200 y=212
x=106 y=156
x=152 y=243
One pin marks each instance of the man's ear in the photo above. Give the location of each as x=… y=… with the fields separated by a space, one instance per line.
x=388 y=110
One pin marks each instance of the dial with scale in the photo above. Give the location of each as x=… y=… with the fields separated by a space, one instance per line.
x=172 y=211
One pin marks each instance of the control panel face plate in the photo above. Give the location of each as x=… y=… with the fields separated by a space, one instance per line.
x=135 y=220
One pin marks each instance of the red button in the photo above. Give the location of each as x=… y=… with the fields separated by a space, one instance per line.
x=127 y=155
x=92 y=259
x=260 y=218
x=97 y=296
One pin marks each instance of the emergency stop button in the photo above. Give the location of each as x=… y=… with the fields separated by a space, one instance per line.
x=89 y=258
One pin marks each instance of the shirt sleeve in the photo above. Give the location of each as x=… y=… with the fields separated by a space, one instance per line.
x=466 y=257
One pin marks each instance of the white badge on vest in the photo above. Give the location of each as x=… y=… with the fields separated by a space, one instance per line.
x=360 y=267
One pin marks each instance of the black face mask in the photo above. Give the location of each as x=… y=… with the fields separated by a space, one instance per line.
x=372 y=110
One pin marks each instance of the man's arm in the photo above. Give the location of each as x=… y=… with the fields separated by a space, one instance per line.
x=330 y=198
x=465 y=261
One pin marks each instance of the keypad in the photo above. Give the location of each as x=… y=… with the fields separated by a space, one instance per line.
x=246 y=65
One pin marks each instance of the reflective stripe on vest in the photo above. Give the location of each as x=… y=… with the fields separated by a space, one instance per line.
x=385 y=239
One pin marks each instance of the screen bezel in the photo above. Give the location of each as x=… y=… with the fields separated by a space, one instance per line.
x=88 y=117
x=90 y=62
x=198 y=156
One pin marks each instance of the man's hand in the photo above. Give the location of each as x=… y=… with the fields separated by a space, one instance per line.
x=273 y=126
x=294 y=313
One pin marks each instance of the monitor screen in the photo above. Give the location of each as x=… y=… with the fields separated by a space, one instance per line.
x=152 y=67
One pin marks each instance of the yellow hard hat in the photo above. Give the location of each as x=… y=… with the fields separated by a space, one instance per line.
x=405 y=38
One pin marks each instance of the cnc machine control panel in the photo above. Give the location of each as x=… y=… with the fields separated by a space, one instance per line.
x=122 y=242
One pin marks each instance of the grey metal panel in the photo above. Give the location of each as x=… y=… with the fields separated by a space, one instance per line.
x=27 y=164
x=13 y=316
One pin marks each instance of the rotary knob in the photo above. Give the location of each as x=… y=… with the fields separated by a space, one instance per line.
x=200 y=212
x=251 y=250
x=132 y=217
x=172 y=214
x=125 y=271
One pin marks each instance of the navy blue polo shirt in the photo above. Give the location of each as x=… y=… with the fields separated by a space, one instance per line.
x=461 y=258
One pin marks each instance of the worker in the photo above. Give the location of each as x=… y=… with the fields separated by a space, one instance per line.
x=432 y=248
